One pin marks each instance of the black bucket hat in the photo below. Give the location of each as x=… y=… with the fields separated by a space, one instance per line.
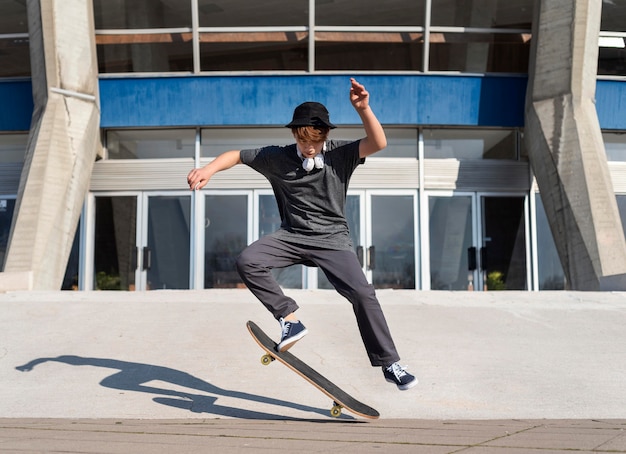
x=310 y=114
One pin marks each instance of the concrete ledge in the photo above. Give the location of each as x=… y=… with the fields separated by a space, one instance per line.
x=11 y=281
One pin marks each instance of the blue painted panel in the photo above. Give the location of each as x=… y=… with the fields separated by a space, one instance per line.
x=16 y=105
x=270 y=100
x=611 y=104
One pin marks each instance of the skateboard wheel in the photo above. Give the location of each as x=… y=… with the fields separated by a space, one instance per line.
x=335 y=412
x=266 y=360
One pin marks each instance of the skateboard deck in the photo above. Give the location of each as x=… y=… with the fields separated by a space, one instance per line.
x=341 y=399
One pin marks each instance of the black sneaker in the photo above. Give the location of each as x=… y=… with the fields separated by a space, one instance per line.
x=292 y=333
x=397 y=374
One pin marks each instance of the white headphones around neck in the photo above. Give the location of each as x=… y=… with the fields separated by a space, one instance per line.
x=309 y=163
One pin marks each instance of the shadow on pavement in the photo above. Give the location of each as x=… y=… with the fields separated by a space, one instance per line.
x=134 y=376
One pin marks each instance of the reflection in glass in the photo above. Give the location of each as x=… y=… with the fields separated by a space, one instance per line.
x=612 y=60
x=613 y=16
x=115 y=252
x=479 y=52
x=151 y=144
x=269 y=221
x=369 y=51
x=550 y=270
x=621 y=206
x=387 y=13
x=225 y=236
x=70 y=279
x=268 y=51
x=15 y=53
x=7 y=206
x=393 y=230
x=169 y=52
x=469 y=144
x=450 y=225
x=504 y=243
x=253 y=13
x=14 y=18
x=168 y=242
x=138 y=14
x=483 y=14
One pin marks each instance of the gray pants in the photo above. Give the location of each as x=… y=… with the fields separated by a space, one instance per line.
x=343 y=270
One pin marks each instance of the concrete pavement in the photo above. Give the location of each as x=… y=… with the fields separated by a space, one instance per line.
x=497 y=370
x=413 y=436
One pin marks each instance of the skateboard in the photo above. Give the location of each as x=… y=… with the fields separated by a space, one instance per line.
x=341 y=399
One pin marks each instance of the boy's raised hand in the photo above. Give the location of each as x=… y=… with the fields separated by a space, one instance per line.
x=359 y=96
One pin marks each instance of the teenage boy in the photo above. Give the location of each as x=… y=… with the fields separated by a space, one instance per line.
x=310 y=181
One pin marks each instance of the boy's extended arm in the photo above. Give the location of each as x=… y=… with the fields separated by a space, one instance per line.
x=375 y=138
x=198 y=178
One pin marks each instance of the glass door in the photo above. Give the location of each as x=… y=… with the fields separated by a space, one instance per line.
x=391 y=256
x=165 y=242
x=115 y=250
x=504 y=242
x=141 y=241
x=477 y=242
x=452 y=242
x=383 y=227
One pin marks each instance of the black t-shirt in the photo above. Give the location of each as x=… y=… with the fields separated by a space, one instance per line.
x=311 y=204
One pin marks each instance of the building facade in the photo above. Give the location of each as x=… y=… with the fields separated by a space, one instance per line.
x=451 y=204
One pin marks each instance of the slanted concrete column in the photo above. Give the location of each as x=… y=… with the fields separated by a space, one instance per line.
x=564 y=142
x=63 y=142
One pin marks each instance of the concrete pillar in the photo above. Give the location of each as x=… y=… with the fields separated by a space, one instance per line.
x=565 y=146
x=63 y=143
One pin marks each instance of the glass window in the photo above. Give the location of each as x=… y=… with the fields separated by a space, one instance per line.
x=551 y=275
x=225 y=236
x=401 y=143
x=483 y=14
x=70 y=279
x=15 y=56
x=151 y=144
x=216 y=141
x=7 y=206
x=613 y=16
x=141 y=14
x=388 y=13
x=469 y=144
x=369 y=51
x=254 y=51
x=13 y=18
x=13 y=147
x=253 y=13
x=612 y=57
x=621 y=206
x=155 y=52
x=269 y=221
x=14 y=48
x=479 y=52
x=615 y=146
